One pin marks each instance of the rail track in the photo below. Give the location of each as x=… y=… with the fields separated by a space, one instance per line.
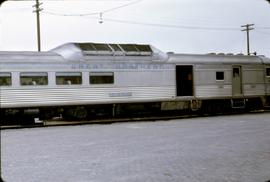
x=61 y=122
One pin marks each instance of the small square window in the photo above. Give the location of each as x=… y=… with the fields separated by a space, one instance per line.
x=268 y=72
x=219 y=75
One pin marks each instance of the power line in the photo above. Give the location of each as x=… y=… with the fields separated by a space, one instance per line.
x=144 y=23
x=168 y=25
x=173 y=26
x=101 y=19
x=153 y=24
x=265 y=33
x=95 y=13
x=266 y=28
x=125 y=5
x=64 y=14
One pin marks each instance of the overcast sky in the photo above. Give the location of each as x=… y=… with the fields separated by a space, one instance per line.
x=182 y=26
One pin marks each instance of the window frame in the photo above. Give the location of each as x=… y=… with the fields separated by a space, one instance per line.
x=33 y=76
x=220 y=77
x=102 y=78
x=267 y=72
x=67 y=78
x=6 y=75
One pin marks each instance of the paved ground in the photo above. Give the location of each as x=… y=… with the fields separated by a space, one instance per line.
x=225 y=148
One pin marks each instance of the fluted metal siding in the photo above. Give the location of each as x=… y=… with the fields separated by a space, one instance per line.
x=268 y=89
x=212 y=91
x=87 y=95
x=254 y=89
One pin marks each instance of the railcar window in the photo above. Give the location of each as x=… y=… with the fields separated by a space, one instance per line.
x=34 y=78
x=68 y=78
x=268 y=72
x=5 y=79
x=86 y=47
x=129 y=47
x=115 y=47
x=102 y=47
x=144 y=48
x=101 y=78
x=219 y=75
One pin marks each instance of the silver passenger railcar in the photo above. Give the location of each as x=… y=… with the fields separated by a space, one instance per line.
x=80 y=80
x=218 y=79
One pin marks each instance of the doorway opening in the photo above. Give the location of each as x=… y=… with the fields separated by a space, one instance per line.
x=184 y=80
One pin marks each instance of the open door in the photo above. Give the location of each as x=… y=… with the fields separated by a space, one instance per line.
x=184 y=80
x=237 y=89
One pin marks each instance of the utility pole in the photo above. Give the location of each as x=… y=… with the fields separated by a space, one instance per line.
x=248 y=27
x=37 y=10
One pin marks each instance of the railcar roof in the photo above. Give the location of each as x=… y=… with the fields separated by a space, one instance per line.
x=124 y=52
x=216 y=59
x=29 y=56
x=266 y=60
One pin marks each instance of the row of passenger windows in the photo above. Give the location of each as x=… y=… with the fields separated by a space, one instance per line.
x=74 y=78
x=62 y=78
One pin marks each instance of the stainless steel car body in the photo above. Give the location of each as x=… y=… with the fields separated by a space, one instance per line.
x=140 y=76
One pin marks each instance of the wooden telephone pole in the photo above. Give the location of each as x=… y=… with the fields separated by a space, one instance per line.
x=248 y=27
x=37 y=10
